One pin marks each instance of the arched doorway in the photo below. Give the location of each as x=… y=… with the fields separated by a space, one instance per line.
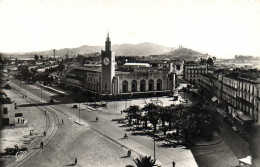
x=134 y=86
x=125 y=86
x=151 y=85
x=142 y=86
x=159 y=84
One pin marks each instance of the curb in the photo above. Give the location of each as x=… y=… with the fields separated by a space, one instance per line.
x=211 y=144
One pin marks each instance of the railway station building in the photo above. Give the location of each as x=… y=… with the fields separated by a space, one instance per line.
x=131 y=78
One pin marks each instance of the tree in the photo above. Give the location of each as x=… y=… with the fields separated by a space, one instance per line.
x=152 y=111
x=132 y=112
x=36 y=57
x=203 y=61
x=210 y=61
x=41 y=57
x=145 y=161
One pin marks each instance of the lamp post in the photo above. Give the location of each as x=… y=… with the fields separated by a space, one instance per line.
x=41 y=93
x=79 y=112
x=125 y=102
x=154 y=147
x=20 y=84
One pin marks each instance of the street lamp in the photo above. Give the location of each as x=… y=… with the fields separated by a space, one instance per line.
x=79 y=112
x=41 y=93
x=154 y=147
x=20 y=84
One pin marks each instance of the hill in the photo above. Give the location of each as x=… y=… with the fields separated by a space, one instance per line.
x=142 y=49
x=184 y=53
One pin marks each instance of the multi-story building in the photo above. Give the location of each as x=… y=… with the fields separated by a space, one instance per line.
x=238 y=90
x=6 y=111
x=192 y=70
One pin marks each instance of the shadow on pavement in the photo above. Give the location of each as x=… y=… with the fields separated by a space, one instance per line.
x=41 y=104
x=71 y=165
x=126 y=156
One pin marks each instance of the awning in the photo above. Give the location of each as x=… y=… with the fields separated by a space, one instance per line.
x=244 y=117
x=214 y=99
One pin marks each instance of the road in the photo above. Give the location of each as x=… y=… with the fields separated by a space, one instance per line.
x=70 y=140
x=96 y=143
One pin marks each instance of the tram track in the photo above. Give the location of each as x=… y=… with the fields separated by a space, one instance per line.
x=52 y=120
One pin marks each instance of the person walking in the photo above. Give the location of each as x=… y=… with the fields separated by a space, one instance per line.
x=44 y=133
x=129 y=153
x=42 y=144
x=76 y=161
x=18 y=120
x=62 y=121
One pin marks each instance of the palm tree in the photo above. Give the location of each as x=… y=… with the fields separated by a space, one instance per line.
x=145 y=161
x=152 y=114
x=132 y=112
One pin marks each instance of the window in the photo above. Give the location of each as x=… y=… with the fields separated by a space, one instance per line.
x=105 y=86
x=159 y=84
x=151 y=85
x=5 y=111
x=125 y=86
x=134 y=86
x=142 y=86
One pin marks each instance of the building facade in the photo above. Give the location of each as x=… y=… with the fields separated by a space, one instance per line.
x=131 y=78
x=192 y=70
x=6 y=111
x=241 y=94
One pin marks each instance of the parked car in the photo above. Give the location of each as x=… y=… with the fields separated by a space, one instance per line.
x=75 y=106
x=7 y=86
x=18 y=114
x=51 y=100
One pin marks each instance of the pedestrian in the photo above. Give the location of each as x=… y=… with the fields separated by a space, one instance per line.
x=173 y=164
x=129 y=153
x=30 y=133
x=76 y=161
x=16 y=146
x=62 y=121
x=44 y=133
x=42 y=144
x=18 y=120
x=121 y=112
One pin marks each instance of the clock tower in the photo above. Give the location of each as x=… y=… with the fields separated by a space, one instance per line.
x=108 y=67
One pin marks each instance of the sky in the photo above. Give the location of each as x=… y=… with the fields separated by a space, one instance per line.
x=219 y=28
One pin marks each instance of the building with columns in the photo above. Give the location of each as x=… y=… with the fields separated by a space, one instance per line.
x=131 y=78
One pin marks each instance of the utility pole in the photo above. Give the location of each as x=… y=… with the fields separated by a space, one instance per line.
x=154 y=147
x=54 y=53
x=20 y=84
x=79 y=112
x=41 y=93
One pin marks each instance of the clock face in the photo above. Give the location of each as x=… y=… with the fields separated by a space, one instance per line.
x=106 y=61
